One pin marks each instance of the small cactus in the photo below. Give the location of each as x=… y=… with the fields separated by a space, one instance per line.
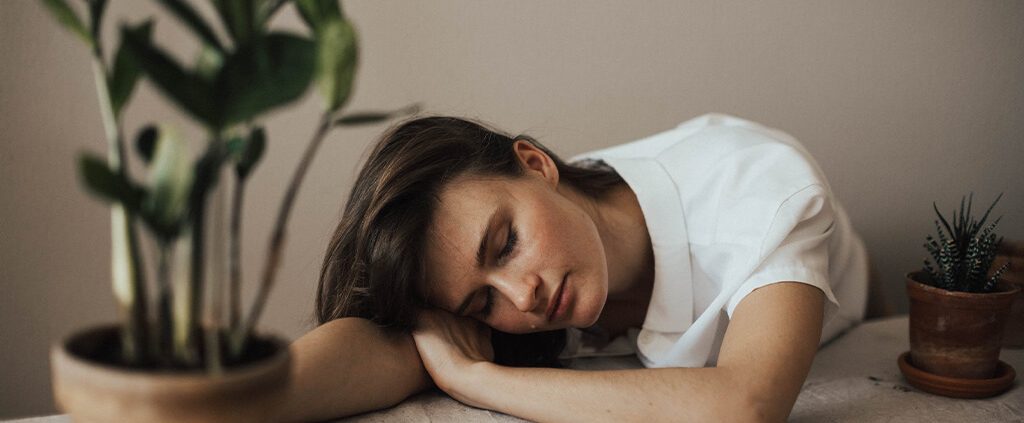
x=962 y=253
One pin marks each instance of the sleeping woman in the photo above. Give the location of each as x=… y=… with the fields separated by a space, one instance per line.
x=480 y=263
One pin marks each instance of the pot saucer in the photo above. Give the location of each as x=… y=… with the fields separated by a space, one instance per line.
x=957 y=387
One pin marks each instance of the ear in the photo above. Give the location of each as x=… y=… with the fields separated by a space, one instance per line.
x=536 y=162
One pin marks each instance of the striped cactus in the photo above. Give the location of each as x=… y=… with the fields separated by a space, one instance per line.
x=962 y=252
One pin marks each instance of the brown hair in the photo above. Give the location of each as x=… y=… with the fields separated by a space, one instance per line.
x=375 y=260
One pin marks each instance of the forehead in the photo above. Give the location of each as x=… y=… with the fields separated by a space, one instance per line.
x=464 y=208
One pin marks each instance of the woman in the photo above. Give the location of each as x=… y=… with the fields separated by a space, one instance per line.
x=472 y=260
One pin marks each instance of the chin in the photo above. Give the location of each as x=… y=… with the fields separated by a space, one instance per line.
x=590 y=316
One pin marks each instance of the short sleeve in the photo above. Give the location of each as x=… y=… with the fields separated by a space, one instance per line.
x=796 y=248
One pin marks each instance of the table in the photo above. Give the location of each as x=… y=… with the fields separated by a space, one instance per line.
x=854 y=378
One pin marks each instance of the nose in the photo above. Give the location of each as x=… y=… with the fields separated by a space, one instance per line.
x=520 y=289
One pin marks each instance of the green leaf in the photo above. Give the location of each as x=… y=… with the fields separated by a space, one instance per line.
x=944 y=222
x=205 y=177
x=126 y=71
x=208 y=63
x=252 y=153
x=108 y=184
x=68 y=19
x=337 y=56
x=96 y=9
x=270 y=72
x=188 y=16
x=984 y=217
x=238 y=17
x=145 y=143
x=366 y=118
x=170 y=180
x=236 y=145
x=318 y=12
x=187 y=90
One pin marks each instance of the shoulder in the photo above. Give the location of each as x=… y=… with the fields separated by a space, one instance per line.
x=719 y=148
x=715 y=132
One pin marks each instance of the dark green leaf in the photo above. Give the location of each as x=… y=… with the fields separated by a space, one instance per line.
x=170 y=180
x=209 y=63
x=188 y=16
x=238 y=16
x=236 y=145
x=268 y=73
x=365 y=118
x=68 y=19
x=337 y=56
x=106 y=183
x=252 y=153
x=205 y=177
x=96 y=9
x=943 y=219
x=189 y=91
x=145 y=143
x=985 y=216
x=318 y=12
x=126 y=71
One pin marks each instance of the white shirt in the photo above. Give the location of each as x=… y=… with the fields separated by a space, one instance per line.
x=730 y=206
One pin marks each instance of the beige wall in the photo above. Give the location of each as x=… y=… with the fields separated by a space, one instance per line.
x=903 y=103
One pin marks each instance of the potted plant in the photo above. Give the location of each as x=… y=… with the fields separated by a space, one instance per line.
x=1011 y=255
x=958 y=310
x=173 y=356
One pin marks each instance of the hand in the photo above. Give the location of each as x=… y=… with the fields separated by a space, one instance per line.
x=449 y=346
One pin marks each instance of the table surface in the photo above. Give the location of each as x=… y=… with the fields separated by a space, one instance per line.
x=853 y=378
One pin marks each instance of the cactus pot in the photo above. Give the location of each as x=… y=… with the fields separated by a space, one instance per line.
x=957 y=334
x=1013 y=252
x=89 y=385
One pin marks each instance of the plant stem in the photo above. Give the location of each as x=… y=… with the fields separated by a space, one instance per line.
x=236 y=252
x=183 y=322
x=277 y=239
x=206 y=175
x=196 y=278
x=126 y=262
x=164 y=303
x=216 y=282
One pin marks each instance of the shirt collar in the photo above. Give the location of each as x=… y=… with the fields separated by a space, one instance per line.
x=671 y=306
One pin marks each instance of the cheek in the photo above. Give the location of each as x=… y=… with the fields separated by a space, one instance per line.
x=559 y=237
x=506 y=319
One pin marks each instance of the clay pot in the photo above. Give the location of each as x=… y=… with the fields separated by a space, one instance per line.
x=1013 y=251
x=957 y=334
x=93 y=391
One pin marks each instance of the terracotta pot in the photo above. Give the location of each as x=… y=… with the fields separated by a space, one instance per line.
x=1013 y=251
x=1014 y=335
x=957 y=334
x=93 y=391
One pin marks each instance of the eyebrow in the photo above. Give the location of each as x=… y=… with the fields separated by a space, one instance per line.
x=481 y=253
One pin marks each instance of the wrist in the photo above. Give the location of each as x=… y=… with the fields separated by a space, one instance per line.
x=474 y=384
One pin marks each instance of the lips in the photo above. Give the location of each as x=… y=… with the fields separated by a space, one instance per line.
x=553 y=303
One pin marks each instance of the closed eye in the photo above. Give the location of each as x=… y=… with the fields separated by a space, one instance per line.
x=510 y=244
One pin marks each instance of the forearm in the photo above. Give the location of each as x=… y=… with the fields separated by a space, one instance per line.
x=350 y=366
x=553 y=395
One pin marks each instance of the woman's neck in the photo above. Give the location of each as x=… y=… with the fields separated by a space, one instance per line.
x=627 y=245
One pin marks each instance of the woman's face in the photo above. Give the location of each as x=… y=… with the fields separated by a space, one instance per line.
x=516 y=254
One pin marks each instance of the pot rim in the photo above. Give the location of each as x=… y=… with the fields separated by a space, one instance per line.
x=1003 y=288
x=256 y=370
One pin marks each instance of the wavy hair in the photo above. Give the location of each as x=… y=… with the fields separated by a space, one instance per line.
x=375 y=259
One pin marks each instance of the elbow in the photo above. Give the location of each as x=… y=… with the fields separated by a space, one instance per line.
x=757 y=408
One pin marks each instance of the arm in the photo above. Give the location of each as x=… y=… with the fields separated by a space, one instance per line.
x=350 y=366
x=765 y=357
